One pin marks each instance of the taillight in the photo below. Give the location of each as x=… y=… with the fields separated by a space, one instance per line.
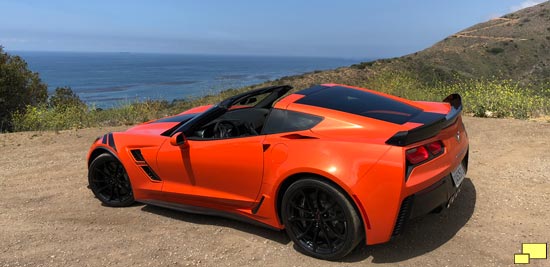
x=417 y=155
x=435 y=147
x=422 y=153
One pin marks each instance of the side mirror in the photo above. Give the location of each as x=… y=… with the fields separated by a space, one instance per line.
x=179 y=139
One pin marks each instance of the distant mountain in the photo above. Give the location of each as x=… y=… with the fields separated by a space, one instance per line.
x=515 y=46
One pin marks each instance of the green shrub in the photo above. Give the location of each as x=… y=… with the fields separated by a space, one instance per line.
x=482 y=98
x=42 y=118
x=495 y=50
x=19 y=88
x=362 y=65
x=501 y=98
x=64 y=97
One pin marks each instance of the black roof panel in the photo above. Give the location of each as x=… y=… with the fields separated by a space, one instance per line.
x=359 y=102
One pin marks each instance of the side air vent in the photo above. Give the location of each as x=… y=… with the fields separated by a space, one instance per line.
x=403 y=216
x=150 y=173
x=136 y=153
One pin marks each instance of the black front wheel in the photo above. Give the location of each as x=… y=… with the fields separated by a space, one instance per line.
x=320 y=219
x=109 y=181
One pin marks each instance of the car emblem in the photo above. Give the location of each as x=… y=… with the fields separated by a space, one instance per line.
x=457 y=136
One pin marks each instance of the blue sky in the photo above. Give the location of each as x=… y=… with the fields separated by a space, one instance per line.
x=337 y=28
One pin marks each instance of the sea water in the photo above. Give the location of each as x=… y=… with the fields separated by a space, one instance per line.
x=110 y=79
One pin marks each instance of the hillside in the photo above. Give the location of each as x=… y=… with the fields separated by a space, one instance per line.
x=514 y=46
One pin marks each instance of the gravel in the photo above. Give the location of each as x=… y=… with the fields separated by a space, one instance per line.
x=48 y=217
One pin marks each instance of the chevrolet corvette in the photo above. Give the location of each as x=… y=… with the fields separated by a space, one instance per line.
x=332 y=165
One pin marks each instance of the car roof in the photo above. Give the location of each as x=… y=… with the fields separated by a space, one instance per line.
x=358 y=101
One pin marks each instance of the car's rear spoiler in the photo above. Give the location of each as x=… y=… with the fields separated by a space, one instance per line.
x=430 y=129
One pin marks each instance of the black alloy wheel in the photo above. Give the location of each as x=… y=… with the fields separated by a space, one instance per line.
x=109 y=181
x=320 y=219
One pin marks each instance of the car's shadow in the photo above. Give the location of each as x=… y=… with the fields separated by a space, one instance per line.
x=424 y=234
x=277 y=236
x=421 y=235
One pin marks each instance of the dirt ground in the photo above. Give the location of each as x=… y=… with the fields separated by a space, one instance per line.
x=49 y=218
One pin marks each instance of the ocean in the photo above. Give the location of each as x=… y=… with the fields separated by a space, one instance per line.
x=110 y=79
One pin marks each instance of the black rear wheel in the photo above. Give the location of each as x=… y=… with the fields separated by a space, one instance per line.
x=320 y=219
x=109 y=181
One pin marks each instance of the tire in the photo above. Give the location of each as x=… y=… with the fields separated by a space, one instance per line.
x=109 y=181
x=320 y=219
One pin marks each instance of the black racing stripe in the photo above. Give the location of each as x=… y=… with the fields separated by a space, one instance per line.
x=104 y=139
x=111 y=141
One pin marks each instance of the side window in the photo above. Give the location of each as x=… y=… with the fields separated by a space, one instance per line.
x=280 y=121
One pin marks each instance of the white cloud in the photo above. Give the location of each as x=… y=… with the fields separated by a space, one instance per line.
x=13 y=40
x=525 y=4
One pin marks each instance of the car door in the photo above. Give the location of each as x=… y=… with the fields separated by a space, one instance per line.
x=219 y=169
x=224 y=172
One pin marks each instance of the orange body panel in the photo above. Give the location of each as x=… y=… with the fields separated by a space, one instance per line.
x=244 y=175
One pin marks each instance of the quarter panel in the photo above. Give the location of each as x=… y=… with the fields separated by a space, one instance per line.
x=345 y=162
x=380 y=193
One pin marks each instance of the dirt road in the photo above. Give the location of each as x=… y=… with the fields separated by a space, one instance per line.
x=49 y=218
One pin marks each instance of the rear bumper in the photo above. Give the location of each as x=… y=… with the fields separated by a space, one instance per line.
x=438 y=195
x=433 y=197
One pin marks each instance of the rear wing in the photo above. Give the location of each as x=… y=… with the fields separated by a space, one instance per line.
x=404 y=138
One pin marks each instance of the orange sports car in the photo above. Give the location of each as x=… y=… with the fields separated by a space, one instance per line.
x=332 y=164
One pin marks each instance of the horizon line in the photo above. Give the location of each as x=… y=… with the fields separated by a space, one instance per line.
x=360 y=59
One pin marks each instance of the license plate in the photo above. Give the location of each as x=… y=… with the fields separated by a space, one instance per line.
x=458 y=175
